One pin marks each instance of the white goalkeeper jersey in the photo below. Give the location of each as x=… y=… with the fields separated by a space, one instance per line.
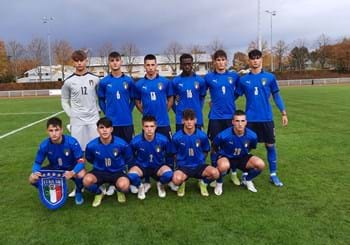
x=80 y=92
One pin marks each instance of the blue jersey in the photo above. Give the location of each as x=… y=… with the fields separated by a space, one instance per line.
x=112 y=157
x=154 y=94
x=190 y=150
x=191 y=91
x=115 y=97
x=63 y=156
x=150 y=154
x=232 y=146
x=222 y=94
x=258 y=89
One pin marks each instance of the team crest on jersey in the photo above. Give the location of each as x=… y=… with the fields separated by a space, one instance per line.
x=263 y=81
x=115 y=152
x=160 y=86
x=91 y=82
x=196 y=85
x=158 y=148
x=198 y=143
x=246 y=144
x=66 y=152
x=230 y=80
x=125 y=85
x=52 y=188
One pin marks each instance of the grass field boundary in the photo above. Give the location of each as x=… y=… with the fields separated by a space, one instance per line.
x=28 y=125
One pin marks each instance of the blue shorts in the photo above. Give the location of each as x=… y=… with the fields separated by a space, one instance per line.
x=215 y=126
x=164 y=130
x=124 y=132
x=107 y=177
x=240 y=163
x=195 y=172
x=264 y=130
x=148 y=171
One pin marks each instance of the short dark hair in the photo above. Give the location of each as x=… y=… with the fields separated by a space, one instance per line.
x=188 y=114
x=114 y=54
x=255 y=53
x=185 y=56
x=105 y=121
x=148 y=118
x=239 y=113
x=219 y=53
x=149 y=57
x=54 y=121
x=79 y=55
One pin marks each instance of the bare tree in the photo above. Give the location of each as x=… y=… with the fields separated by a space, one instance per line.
x=129 y=51
x=214 y=45
x=280 y=50
x=172 y=53
x=103 y=52
x=15 y=51
x=197 y=51
x=62 y=51
x=321 y=44
x=36 y=51
x=253 y=45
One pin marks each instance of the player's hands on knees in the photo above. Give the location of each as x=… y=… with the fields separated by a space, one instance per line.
x=68 y=174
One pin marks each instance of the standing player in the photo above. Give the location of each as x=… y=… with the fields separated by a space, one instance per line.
x=189 y=91
x=191 y=146
x=258 y=86
x=154 y=96
x=233 y=146
x=109 y=155
x=63 y=153
x=79 y=100
x=151 y=151
x=115 y=96
x=221 y=84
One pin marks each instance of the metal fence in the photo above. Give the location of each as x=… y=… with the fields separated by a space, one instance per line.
x=23 y=93
x=299 y=82
x=321 y=81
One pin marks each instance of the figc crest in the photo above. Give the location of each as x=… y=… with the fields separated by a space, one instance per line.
x=52 y=188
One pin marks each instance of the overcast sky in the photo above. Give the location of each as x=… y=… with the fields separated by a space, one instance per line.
x=153 y=24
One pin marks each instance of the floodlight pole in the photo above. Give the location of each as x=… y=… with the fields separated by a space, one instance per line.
x=46 y=20
x=271 y=13
x=259 y=28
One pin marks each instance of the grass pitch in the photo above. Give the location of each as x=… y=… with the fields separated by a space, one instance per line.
x=312 y=208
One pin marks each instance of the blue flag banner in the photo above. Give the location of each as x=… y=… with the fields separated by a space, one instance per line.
x=52 y=188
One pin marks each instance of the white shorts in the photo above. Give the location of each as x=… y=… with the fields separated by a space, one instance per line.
x=84 y=134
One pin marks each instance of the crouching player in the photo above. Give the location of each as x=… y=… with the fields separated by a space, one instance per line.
x=191 y=146
x=109 y=155
x=63 y=153
x=233 y=146
x=151 y=152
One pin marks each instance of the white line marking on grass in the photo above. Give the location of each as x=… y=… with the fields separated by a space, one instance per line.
x=24 y=113
x=28 y=125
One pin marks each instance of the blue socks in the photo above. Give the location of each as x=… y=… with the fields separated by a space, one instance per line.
x=94 y=189
x=134 y=179
x=166 y=177
x=272 y=158
x=79 y=184
x=252 y=173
